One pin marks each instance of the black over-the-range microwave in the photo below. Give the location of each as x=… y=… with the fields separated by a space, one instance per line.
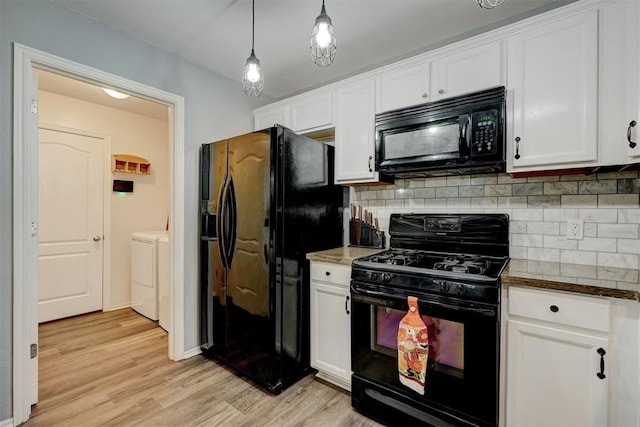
x=456 y=136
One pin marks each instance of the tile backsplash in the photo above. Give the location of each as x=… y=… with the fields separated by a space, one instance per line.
x=538 y=208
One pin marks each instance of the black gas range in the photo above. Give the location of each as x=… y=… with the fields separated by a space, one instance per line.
x=452 y=265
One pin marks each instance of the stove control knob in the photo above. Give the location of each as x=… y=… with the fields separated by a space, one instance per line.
x=385 y=277
x=372 y=276
x=444 y=286
x=461 y=289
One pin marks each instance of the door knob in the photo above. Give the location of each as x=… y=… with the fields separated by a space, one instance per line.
x=97 y=238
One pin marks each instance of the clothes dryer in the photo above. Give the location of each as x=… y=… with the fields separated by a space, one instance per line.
x=144 y=272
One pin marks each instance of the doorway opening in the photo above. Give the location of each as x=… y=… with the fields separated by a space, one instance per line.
x=26 y=219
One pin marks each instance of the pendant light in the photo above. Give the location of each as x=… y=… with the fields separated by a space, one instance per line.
x=323 y=40
x=252 y=77
x=489 y=4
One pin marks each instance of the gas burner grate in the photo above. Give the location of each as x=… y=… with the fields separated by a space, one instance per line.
x=469 y=265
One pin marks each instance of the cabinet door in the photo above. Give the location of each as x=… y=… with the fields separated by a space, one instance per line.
x=331 y=331
x=552 y=76
x=267 y=118
x=312 y=112
x=552 y=377
x=404 y=87
x=468 y=70
x=355 y=123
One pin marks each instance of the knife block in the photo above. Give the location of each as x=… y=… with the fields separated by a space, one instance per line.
x=370 y=237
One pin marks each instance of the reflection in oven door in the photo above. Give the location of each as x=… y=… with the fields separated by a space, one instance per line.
x=461 y=386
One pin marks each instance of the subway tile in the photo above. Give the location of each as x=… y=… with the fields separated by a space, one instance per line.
x=541 y=267
x=528 y=189
x=377 y=203
x=385 y=194
x=543 y=201
x=617 y=260
x=461 y=202
x=543 y=254
x=528 y=240
x=601 y=186
x=598 y=215
x=578 y=177
x=590 y=230
x=516 y=227
x=528 y=214
x=484 y=202
x=619 y=200
x=416 y=183
x=618 y=274
x=559 y=242
x=578 y=257
x=392 y=203
x=577 y=270
x=543 y=179
x=471 y=191
x=504 y=178
x=629 y=186
x=620 y=231
x=598 y=282
x=560 y=214
x=617 y=175
x=498 y=190
x=629 y=246
x=404 y=193
x=542 y=227
x=629 y=216
x=565 y=187
x=597 y=244
x=435 y=203
x=628 y=286
x=425 y=193
x=446 y=192
x=457 y=181
x=414 y=203
x=513 y=202
x=583 y=201
x=368 y=195
x=484 y=179
x=517 y=252
x=435 y=182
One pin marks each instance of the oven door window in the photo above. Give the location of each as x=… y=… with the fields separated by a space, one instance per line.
x=462 y=371
x=434 y=141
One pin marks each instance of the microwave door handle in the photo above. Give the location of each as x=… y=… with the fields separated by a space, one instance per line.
x=467 y=134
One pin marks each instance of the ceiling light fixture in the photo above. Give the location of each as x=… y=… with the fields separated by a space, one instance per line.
x=323 y=40
x=252 y=77
x=489 y=4
x=115 y=94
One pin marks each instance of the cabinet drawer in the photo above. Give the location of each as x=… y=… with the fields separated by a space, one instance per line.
x=331 y=273
x=559 y=307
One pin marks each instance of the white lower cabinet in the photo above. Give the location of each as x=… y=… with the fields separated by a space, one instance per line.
x=558 y=359
x=331 y=323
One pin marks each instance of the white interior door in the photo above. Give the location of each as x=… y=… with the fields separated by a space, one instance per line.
x=71 y=198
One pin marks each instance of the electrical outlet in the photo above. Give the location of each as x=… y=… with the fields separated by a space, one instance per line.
x=575 y=229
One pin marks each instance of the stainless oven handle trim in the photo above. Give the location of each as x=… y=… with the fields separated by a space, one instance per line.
x=358 y=292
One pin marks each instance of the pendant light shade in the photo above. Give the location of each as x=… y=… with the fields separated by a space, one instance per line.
x=323 y=40
x=252 y=77
x=489 y=4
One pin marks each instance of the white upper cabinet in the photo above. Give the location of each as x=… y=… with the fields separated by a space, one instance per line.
x=468 y=70
x=355 y=125
x=404 y=86
x=272 y=114
x=463 y=70
x=312 y=112
x=553 y=83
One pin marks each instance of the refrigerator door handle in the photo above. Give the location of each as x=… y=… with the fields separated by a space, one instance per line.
x=231 y=206
x=222 y=232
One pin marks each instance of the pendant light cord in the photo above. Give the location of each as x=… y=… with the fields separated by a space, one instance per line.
x=253 y=23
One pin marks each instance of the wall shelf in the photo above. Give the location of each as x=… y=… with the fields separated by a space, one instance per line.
x=128 y=163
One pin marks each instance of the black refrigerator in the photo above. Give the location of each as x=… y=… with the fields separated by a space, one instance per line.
x=268 y=198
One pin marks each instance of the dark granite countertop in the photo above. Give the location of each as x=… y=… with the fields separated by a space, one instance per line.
x=584 y=279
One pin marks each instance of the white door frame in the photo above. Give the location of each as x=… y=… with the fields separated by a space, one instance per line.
x=106 y=203
x=25 y=214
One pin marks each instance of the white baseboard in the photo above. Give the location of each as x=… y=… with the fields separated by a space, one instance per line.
x=120 y=307
x=6 y=423
x=189 y=353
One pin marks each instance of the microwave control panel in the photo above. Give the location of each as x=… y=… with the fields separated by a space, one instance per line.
x=484 y=127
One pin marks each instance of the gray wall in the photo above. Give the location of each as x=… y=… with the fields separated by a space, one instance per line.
x=216 y=107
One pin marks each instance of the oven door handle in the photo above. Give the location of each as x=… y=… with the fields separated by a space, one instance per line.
x=360 y=294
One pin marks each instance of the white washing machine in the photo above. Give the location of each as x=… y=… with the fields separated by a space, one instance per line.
x=164 y=281
x=144 y=272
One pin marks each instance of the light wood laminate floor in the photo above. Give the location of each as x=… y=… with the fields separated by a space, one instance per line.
x=111 y=369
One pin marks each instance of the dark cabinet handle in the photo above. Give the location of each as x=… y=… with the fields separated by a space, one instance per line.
x=554 y=308
x=346 y=304
x=328 y=273
x=632 y=124
x=517 y=156
x=601 y=374
x=370 y=168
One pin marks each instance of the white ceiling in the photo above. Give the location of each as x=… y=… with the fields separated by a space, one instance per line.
x=216 y=34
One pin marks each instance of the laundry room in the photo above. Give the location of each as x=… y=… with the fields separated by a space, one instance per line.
x=111 y=156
